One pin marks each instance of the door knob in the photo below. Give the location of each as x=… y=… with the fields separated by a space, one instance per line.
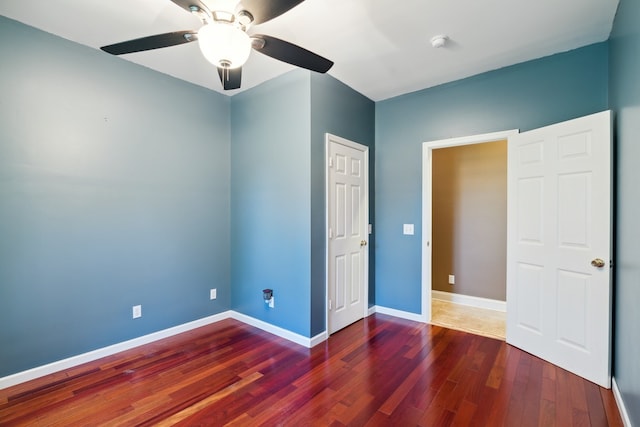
x=363 y=243
x=598 y=263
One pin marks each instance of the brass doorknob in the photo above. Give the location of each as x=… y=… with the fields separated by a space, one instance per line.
x=598 y=263
x=363 y=243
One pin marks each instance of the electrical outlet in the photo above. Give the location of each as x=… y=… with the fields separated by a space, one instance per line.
x=272 y=302
x=452 y=279
x=137 y=311
x=213 y=294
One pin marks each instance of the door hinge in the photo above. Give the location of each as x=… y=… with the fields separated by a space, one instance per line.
x=330 y=233
x=330 y=162
x=329 y=304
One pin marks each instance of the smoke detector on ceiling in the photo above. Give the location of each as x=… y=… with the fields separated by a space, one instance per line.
x=439 y=41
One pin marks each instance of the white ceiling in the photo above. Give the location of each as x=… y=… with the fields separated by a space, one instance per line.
x=381 y=48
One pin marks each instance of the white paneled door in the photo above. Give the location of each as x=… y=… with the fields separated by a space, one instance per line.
x=347 y=206
x=559 y=245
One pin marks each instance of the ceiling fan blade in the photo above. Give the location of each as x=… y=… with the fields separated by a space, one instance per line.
x=230 y=77
x=265 y=10
x=290 y=53
x=151 y=42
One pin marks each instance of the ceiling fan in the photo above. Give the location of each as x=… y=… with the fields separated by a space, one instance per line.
x=224 y=40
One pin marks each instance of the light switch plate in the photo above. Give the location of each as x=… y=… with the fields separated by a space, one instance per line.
x=407 y=229
x=137 y=311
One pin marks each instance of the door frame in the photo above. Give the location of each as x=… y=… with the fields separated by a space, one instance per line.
x=330 y=138
x=427 y=194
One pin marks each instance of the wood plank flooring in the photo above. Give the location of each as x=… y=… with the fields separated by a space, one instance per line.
x=380 y=371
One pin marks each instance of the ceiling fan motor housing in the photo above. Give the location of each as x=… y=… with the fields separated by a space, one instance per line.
x=224 y=40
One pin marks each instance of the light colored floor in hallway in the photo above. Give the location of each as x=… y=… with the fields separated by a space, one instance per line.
x=479 y=321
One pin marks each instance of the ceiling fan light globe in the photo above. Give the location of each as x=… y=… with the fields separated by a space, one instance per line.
x=224 y=45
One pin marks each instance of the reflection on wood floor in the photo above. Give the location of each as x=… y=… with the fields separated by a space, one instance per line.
x=379 y=371
x=479 y=321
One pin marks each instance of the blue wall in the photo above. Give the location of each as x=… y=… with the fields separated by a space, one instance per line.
x=112 y=194
x=524 y=96
x=278 y=192
x=341 y=111
x=625 y=101
x=270 y=201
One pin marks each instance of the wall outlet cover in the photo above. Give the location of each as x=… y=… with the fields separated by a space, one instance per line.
x=407 y=229
x=452 y=279
x=213 y=294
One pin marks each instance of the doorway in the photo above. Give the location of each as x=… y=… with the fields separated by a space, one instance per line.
x=469 y=241
x=427 y=221
x=469 y=216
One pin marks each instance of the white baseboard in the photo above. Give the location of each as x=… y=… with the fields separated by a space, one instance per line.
x=320 y=338
x=490 y=304
x=621 y=407
x=399 y=313
x=371 y=310
x=281 y=332
x=90 y=356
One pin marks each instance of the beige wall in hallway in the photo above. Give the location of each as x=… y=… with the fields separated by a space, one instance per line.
x=470 y=219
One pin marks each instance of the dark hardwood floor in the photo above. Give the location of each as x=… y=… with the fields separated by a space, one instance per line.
x=381 y=371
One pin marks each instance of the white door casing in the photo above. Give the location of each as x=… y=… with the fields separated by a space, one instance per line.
x=559 y=221
x=347 y=232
